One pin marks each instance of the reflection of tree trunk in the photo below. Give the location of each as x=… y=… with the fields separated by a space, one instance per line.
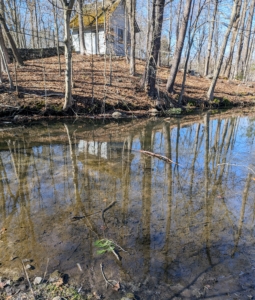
x=169 y=184
x=241 y=219
x=78 y=203
x=146 y=200
x=208 y=204
x=193 y=162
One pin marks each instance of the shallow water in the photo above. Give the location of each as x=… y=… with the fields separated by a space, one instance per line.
x=187 y=227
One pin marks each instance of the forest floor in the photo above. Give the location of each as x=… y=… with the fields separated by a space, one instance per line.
x=101 y=87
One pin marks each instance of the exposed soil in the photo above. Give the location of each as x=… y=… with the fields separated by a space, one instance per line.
x=41 y=93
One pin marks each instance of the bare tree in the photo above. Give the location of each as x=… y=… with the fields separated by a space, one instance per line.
x=68 y=6
x=11 y=41
x=247 y=37
x=234 y=15
x=179 y=47
x=149 y=77
x=81 y=28
x=131 y=8
x=210 y=38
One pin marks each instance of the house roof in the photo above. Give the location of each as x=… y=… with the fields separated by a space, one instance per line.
x=89 y=15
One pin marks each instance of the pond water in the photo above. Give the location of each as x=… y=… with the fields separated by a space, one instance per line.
x=187 y=226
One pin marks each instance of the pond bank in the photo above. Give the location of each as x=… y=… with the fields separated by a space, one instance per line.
x=98 y=94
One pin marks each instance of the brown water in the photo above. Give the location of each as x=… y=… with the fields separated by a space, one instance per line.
x=188 y=226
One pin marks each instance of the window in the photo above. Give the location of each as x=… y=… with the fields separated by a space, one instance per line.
x=111 y=35
x=120 y=35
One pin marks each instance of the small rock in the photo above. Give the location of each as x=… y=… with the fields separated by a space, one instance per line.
x=37 y=280
x=55 y=276
x=28 y=267
x=57 y=298
x=153 y=111
x=22 y=287
x=117 y=114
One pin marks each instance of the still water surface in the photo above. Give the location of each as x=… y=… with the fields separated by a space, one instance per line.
x=188 y=227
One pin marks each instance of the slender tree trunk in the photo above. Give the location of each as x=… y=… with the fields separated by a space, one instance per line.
x=11 y=41
x=67 y=6
x=149 y=80
x=4 y=49
x=232 y=48
x=241 y=37
x=247 y=37
x=81 y=28
x=210 y=39
x=131 y=15
x=234 y=15
x=179 y=47
x=57 y=32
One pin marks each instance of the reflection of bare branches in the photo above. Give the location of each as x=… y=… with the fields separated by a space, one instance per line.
x=236 y=165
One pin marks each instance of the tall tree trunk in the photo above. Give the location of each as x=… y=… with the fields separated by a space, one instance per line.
x=241 y=37
x=247 y=37
x=234 y=15
x=179 y=47
x=11 y=41
x=210 y=39
x=149 y=80
x=67 y=6
x=232 y=48
x=4 y=49
x=131 y=17
x=81 y=28
x=57 y=32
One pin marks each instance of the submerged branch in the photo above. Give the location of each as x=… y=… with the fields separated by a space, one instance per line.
x=162 y=157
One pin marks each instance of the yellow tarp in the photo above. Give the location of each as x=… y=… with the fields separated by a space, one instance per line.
x=89 y=14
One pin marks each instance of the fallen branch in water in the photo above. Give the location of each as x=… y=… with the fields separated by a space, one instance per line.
x=115 y=286
x=105 y=279
x=108 y=207
x=164 y=158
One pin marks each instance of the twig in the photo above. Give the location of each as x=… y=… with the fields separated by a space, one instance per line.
x=106 y=280
x=25 y=271
x=237 y=166
x=77 y=218
x=108 y=207
x=116 y=254
x=166 y=159
x=46 y=270
x=118 y=246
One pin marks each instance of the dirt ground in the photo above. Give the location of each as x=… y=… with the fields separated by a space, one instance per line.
x=101 y=86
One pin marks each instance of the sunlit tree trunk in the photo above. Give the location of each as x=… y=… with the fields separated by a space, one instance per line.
x=179 y=47
x=11 y=41
x=81 y=28
x=210 y=38
x=67 y=6
x=234 y=15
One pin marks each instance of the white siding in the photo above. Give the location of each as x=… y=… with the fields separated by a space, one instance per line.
x=117 y=21
x=76 y=43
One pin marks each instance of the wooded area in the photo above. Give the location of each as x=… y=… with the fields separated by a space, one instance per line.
x=205 y=38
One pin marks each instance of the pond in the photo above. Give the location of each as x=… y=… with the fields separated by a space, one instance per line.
x=187 y=226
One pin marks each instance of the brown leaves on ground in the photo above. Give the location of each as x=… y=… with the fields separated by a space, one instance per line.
x=117 y=89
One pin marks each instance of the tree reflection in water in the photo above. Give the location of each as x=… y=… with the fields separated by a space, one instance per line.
x=182 y=224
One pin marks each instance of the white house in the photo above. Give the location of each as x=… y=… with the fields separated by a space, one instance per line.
x=113 y=34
